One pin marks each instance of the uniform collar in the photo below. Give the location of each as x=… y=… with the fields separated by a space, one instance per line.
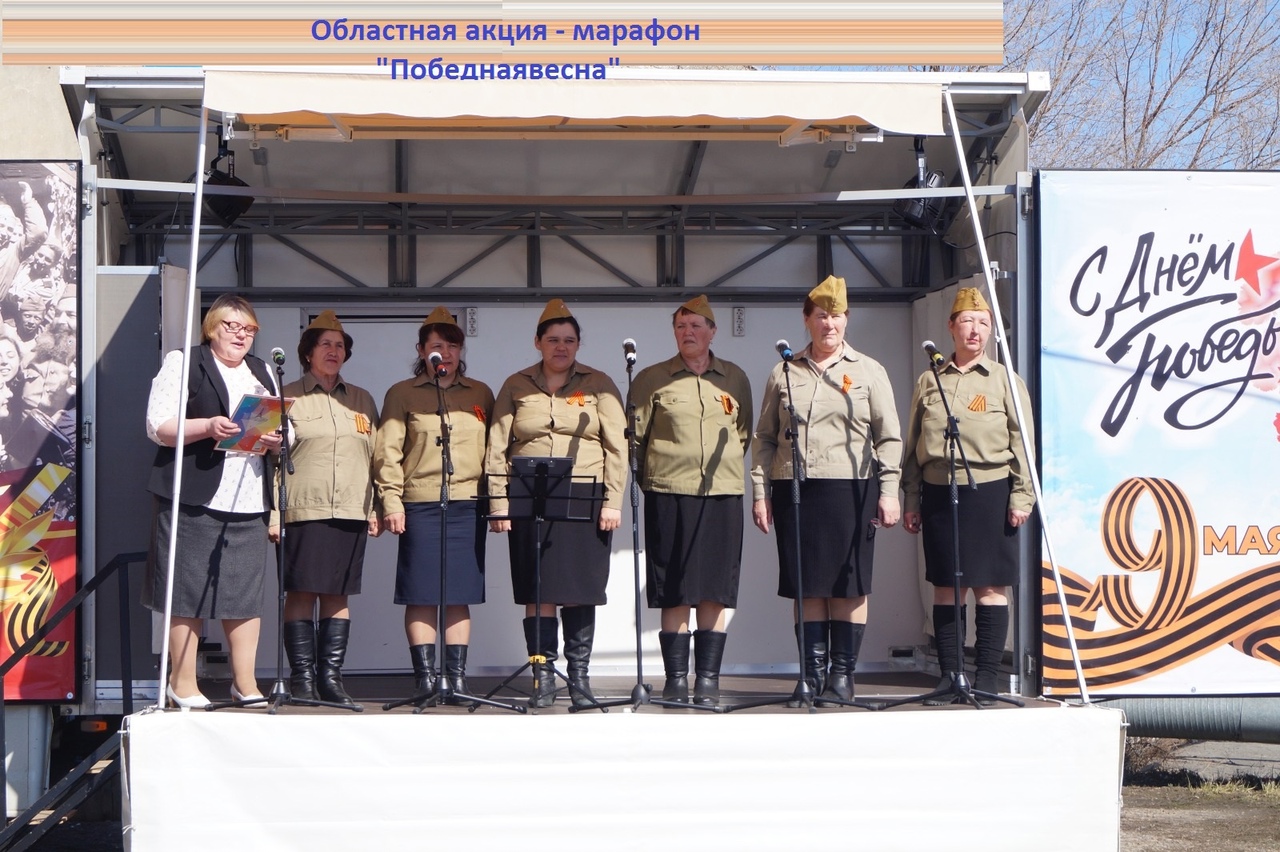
x=310 y=383
x=676 y=365
x=983 y=365
x=535 y=374
x=425 y=378
x=847 y=352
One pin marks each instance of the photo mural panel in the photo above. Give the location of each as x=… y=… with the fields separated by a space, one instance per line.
x=39 y=378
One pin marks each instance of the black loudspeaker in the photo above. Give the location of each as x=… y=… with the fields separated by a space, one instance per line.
x=921 y=212
x=226 y=208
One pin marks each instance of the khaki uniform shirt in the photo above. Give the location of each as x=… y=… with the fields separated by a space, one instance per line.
x=692 y=431
x=407 y=461
x=331 y=438
x=989 y=432
x=848 y=424
x=583 y=420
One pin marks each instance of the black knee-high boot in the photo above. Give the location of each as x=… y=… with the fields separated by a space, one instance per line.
x=846 y=642
x=579 y=636
x=708 y=653
x=300 y=646
x=946 y=635
x=812 y=636
x=991 y=626
x=332 y=635
x=545 y=644
x=675 y=662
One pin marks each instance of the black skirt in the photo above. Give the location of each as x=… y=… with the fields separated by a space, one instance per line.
x=574 y=562
x=693 y=549
x=837 y=536
x=988 y=544
x=418 y=561
x=325 y=557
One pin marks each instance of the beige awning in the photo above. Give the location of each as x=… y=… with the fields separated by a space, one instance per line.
x=337 y=106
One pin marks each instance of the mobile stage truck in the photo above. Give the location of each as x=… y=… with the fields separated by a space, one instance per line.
x=626 y=197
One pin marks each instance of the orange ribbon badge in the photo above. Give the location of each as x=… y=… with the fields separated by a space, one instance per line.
x=727 y=402
x=479 y=412
x=579 y=399
x=363 y=426
x=1178 y=625
x=845 y=384
x=979 y=403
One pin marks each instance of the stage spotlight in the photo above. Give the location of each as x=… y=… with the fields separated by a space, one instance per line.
x=921 y=212
x=225 y=208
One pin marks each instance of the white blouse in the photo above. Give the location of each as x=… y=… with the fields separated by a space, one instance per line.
x=240 y=490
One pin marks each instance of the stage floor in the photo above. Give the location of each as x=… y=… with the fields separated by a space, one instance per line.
x=373 y=691
x=1046 y=776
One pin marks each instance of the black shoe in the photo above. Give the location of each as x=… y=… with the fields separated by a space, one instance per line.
x=331 y=649
x=455 y=670
x=300 y=647
x=944 y=683
x=545 y=644
x=424 y=669
x=675 y=661
x=579 y=635
x=988 y=682
x=708 y=654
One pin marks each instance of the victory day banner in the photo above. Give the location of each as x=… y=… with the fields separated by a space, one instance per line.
x=1160 y=388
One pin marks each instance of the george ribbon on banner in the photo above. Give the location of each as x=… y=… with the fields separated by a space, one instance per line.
x=1177 y=626
x=28 y=586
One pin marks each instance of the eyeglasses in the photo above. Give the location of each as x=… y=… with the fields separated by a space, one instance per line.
x=236 y=328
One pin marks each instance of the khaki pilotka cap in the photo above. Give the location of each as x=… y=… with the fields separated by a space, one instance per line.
x=969 y=299
x=555 y=309
x=327 y=321
x=700 y=306
x=831 y=295
x=440 y=316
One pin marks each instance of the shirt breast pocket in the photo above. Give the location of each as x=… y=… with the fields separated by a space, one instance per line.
x=421 y=424
x=931 y=404
x=306 y=426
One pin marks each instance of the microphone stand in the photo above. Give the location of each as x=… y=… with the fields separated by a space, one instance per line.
x=960 y=690
x=444 y=692
x=803 y=695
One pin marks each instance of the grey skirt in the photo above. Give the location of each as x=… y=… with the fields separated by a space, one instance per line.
x=221 y=559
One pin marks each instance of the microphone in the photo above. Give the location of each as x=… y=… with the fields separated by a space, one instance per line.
x=277 y=355
x=784 y=349
x=629 y=351
x=936 y=358
x=435 y=360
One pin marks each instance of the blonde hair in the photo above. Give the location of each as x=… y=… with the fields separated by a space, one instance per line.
x=227 y=303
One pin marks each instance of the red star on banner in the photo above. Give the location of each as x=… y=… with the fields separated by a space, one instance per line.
x=1251 y=262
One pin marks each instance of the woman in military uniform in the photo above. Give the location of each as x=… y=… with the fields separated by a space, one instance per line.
x=408 y=472
x=990 y=516
x=560 y=407
x=693 y=427
x=850 y=449
x=330 y=513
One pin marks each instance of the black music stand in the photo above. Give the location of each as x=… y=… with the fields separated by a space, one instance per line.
x=542 y=488
x=279 y=695
x=959 y=690
x=802 y=695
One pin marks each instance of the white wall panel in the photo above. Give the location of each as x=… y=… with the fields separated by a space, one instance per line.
x=761 y=636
